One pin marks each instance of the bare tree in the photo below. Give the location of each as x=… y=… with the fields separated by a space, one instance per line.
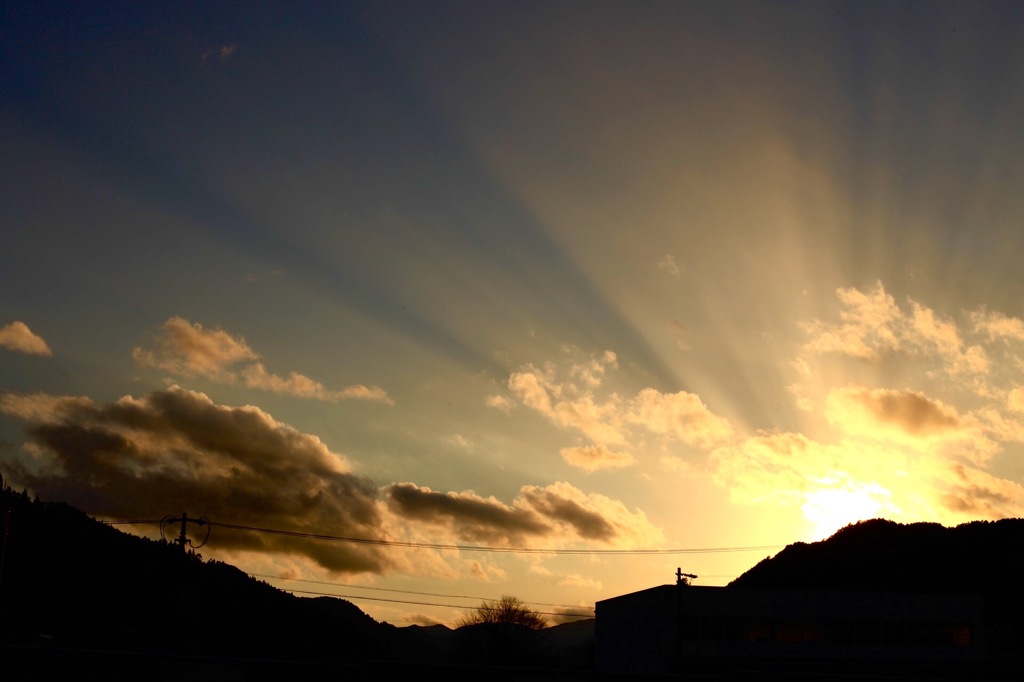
x=508 y=610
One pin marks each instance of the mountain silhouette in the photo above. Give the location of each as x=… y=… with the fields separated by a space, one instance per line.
x=984 y=558
x=78 y=592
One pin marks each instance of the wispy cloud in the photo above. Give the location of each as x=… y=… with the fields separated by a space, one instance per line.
x=580 y=581
x=596 y=457
x=681 y=415
x=255 y=375
x=18 y=337
x=565 y=395
x=668 y=264
x=997 y=326
x=976 y=493
x=872 y=326
x=499 y=402
x=867 y=327
x=187 y=349
x=223 y=52
x=569 y=404
x=570 y=397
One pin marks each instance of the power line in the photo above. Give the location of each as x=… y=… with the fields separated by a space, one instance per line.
x=480 y=548
x=389 y=589
x=466 y=548
x=424 y=603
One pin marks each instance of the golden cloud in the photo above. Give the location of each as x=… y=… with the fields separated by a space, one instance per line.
x=596 y=457
x=883 y=411
x=18 y=337
x=188 y=349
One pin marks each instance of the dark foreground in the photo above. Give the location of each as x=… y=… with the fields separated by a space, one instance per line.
x=24 y=663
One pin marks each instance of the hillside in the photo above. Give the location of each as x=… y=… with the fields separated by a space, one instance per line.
x=984 y=558
x=884 y=555
x=71 y=584
x=70 y=580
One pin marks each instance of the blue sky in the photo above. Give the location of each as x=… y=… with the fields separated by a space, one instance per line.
x=536 y=275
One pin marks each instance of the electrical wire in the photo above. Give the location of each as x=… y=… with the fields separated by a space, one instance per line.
x=480 y=548
x=388 y=589
x=424 y=603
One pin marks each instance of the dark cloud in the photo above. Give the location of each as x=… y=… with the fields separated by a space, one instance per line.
x=558 y=513
x=912 y=412
x=978 y=501
x=586 y=522
x=175 y=451
x=978 y=495
x=471 y=517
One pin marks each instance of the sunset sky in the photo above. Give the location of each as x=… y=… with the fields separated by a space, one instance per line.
x=459 y=278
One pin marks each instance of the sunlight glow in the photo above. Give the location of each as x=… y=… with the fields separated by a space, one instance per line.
x=831 y=508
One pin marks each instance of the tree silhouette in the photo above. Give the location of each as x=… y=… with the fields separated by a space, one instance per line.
x=505 y=632
x=507 y=610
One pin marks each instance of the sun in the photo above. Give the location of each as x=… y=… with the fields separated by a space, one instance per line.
x=830 y=508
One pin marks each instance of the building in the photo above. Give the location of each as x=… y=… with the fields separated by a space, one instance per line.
x=677 y=628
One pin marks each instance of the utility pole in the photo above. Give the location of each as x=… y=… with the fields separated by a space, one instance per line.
x=184 y=520
x=683 y=578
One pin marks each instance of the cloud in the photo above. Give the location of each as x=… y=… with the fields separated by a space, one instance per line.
x=870 y=411
x=669 y=265
x=256 y=376
x=1015 y=399
x=566 y=507
x=18 y=337
x=592 y=371
x=975 y=493
x=500 y=402
x=580 y=581
x=911 y=418
x=361 y=392
x=873 y=327
x=839 y=483
x=571 y=615
x=777 y=466
x=596 y=457
x=224 y=52
x=460 y=441
x=567 y=405
x=188 y=349
x=176 y=450
x=681 y=415
x=867 y=327
x=917 y=452
x=997 y=326
x=556 y=514
x=943 y=333
x=569 y=399
x=529 y=388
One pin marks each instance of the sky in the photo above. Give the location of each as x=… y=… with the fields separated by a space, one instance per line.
x=546 y=299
